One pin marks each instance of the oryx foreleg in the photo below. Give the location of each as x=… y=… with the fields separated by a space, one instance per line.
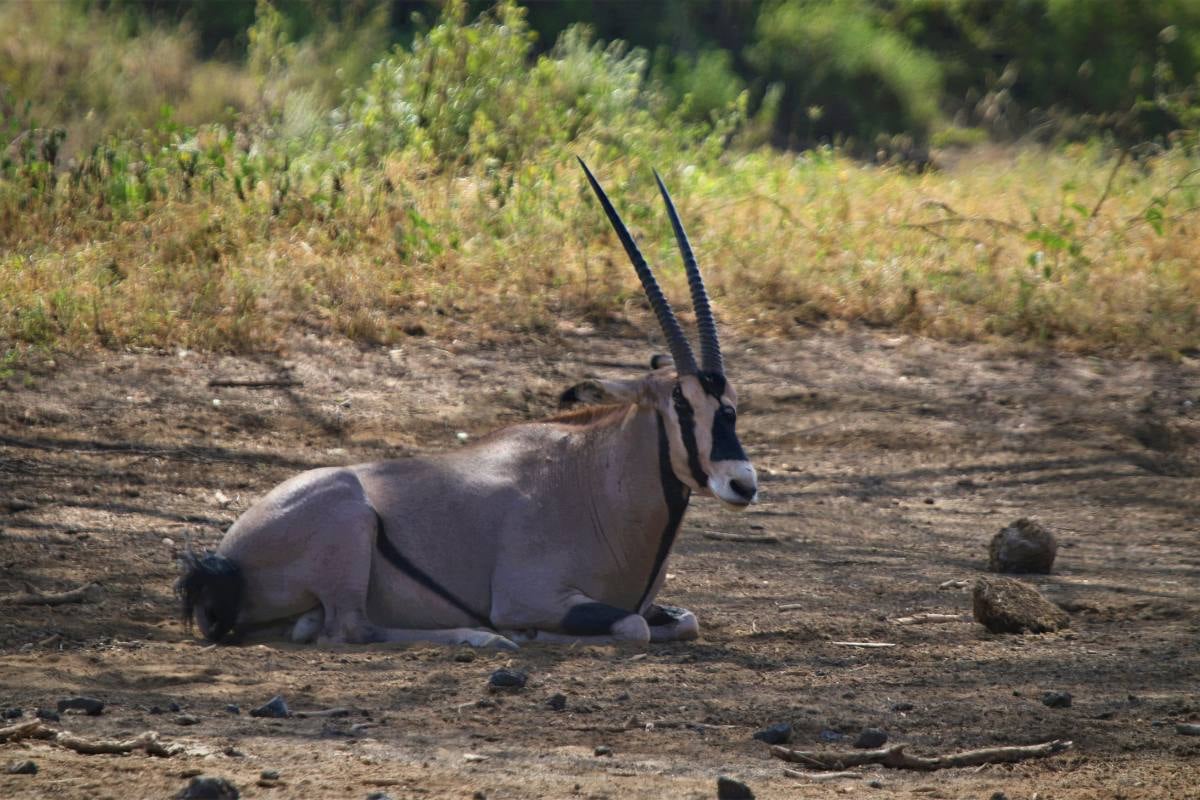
x=578 y=619
x=310 y=624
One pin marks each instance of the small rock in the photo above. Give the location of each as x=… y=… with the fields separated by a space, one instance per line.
x=13 y=713
x=1057 y=699
x=187 y=719
x=48 y=714
x=830 y=736
x=507 y=680
x=603 y=750
x=155 y=710
x=1024 y=546
x=902 y=707
x=379 y=796
x=233 y=709
x=1187 y=729
x=465 y=656
x=22 y=768
x=876 y=784
x=557 y=701
x=275 y=708
x=871 y=738
x=730 y=789
x=999 y=796
x=174 y=708
x=779 y=733
x=1005 y=605
x=204 y=787
x=478 y=795
x=88 y=705
x=269 y=774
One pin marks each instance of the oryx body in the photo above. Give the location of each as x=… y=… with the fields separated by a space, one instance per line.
x=555 y=529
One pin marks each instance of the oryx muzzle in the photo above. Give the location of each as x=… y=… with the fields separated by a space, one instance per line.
x=554 y=530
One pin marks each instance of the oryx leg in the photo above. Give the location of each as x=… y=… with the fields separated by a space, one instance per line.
x=310 y=624
x=585 y=621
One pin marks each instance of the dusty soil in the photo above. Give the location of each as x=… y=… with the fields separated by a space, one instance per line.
x=887 y=463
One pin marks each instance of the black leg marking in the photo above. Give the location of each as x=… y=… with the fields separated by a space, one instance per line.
x=658 y=616
x=401 y=562
x=592 y=619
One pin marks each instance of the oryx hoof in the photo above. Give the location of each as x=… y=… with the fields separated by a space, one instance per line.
x=672 y=624
x=488 y=639
x=632 y=628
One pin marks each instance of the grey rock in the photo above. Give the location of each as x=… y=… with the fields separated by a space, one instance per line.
x=233 y=709
x=557 y=701
x=269 y=774
x=730 y=789
x=779 y=733
x=1187 y=728
x=1023 y=546
x=187 y=719
x=870 y=738
x=88 y=705
x=276 y=708
x=1005 y=605
x=507 y=680
x=22 y=768
x=204 y=787
x=831 y=736
x=48 y=714
x=13 y=713
x=603 y=750
x=1057 y=699
x=379 y=796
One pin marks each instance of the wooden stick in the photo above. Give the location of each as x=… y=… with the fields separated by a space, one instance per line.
x=926 y=619
x=821 y=776
x=33 y=729
x=31 y=597
x=865 y=644
x=750 y=538
x=326 y=712
x=894 y=757
x=789 y=606
x=285 y=383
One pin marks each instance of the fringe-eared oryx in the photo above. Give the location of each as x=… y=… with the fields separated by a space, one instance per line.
x=555 y=530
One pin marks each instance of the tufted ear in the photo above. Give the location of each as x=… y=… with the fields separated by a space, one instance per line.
x=660 y=360
x=597 y=392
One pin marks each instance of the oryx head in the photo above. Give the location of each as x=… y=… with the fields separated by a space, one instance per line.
x=697 y=404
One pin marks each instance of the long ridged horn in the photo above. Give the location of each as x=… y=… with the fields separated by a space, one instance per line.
x=681 y=351
x=710 y=347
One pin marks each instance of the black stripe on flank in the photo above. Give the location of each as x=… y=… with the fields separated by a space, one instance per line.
x=401 y=562
x=687 y=431
x=676 y=495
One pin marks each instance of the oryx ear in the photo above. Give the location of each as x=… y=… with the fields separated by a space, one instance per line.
x=660 y=360
x=597 y=392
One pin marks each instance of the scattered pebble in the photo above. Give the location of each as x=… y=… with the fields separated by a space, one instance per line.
x=233 y=709
x=1005 y=605
x=269 y=774
x=155 y=710
x=187 y=719
x=876 y=784
x=830 y=736
x=22 y=768
x=1024 y=546
x=1057 y=699
x=999 y=796
x=479 y=795
x=507 y=680
x=730 y=789
x=276 y=707
x=902 y=707
x=870 y=738
x=1187 y=728
x=88 y=705
x=603 y=750
x=779 y=733
x=174 y=707
x=465 y=656
x=13 y=713
x=474 y=758
x=557 y=701
x=204 y=787
x=379 y=796
x=48 y=714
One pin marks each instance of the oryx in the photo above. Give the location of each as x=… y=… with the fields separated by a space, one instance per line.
x=554 y=530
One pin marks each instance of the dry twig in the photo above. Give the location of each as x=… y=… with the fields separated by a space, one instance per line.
x=31 y=597
x=821 y=776
x=865 y=644
x=928 y=619
x=35 y=729
x=894 y=757
x=749 y=538
x=286 y=383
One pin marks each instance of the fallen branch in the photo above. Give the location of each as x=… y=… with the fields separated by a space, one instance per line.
x=928 y=619
x=754 y=538
x=790 y=606
x=280 y=384
x=35 y=729
x=894 y=757
x=326 y=712
x=31 y=597
x=865 y=644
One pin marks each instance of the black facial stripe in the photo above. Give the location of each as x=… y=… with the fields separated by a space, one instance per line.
x=676 y=494
x=726 y=446
x=687 y=431
x=401 y=562
x=591 y=619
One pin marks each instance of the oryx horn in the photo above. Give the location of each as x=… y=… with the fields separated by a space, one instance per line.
x=710 y=347
x=681 y=351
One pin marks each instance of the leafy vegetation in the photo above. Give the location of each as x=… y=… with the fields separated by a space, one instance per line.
x=436 y=190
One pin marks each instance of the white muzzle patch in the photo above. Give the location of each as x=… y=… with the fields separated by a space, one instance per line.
x=734 y=483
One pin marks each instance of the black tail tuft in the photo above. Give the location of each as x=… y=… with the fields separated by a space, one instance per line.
x=212 y=584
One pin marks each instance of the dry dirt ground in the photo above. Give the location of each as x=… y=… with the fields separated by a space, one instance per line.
x=886 y=462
